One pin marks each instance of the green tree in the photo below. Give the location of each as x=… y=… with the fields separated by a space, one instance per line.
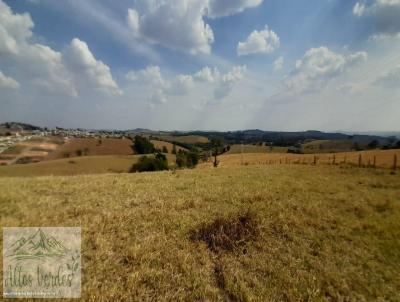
x=216 y=147
x=187 y=159
x=373 y=144
x=142 y=145
x=150 y=164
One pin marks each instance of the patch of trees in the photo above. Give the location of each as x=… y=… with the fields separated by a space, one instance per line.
x=373 y=144
x=391 y=146
x=294 y=151
x=82 y=152
x=186 y=159
x=143 y=146
x=150 y=164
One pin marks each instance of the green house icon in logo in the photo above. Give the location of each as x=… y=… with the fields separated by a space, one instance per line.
x=37 y=246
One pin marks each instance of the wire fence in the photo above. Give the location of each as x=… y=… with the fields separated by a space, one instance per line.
x=388 y=159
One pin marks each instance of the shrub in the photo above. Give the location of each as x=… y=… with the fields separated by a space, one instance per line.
x=150 y=164
x=142 y=145
x=228 y=233
x=373 y=144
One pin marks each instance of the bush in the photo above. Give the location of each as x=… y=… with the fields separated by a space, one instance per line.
x=187 y=159
x=228 y=233
x=150 y=164
x=142 y=145
x=373 y=144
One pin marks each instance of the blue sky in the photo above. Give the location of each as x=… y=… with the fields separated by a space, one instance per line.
x=201 y=64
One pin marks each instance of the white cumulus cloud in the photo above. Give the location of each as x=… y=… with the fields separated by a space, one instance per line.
x=390 y=79
x=318 y=67
x=359 y=9
x=8 y=82
x=264 y=42
x=218 y=8
x=278 y=63
x=384 y=14
x=208 y=74
x=181 y=24
x=35 y=63
x=176 y=24
x=87 y=68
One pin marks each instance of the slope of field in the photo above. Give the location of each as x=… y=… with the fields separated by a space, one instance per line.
x=324 y=233
x=31 y=150
x=186 y=139
x=329 y=146
x=382 y=158
x=169 y=146
x=236 y=149
x=75 y=166
x=92 y=146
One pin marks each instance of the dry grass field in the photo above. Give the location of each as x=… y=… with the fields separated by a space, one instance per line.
x=382 y=158
x=237 y=233
x=75 y=166
x=92 y=146
x=186 y=139
x=169 y=146
x=328 y=146
x=33 y=150
x=236 y=149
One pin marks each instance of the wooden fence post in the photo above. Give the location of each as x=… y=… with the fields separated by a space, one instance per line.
x=359 y=160
x=334 y=160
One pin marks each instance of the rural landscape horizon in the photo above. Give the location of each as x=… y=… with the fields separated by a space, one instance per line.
x=200 y=150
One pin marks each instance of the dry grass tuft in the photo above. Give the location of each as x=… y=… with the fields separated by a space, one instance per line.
x=228 y=234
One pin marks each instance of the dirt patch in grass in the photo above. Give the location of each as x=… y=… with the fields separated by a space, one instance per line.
x=228 y=233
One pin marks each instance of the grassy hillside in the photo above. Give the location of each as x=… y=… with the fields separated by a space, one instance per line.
x=169 y=146
x=91 y=146
x=383 y=158
x=186 y=139
x=327 y=146
x=247 y=233
x=75 y=166
x=237 y=149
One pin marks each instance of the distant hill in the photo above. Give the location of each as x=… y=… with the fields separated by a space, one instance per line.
x=281 y=138
x=19 y=126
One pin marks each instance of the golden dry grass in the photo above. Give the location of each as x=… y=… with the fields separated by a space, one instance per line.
x=325 y=233
x=383 y=158
x=76 y=166
x=327 y=146
x=104 y=146
x=237 y=149
x=186 y=139
x=169 y=146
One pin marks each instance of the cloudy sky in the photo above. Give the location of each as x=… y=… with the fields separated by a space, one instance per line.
x=201 y=64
